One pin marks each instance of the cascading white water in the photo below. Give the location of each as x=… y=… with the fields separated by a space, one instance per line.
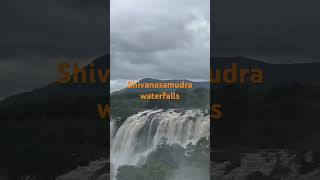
x=140 y=133
x=112 y=131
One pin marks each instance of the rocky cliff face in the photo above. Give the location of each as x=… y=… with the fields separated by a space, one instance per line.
x=96 y=170
x=267 y=165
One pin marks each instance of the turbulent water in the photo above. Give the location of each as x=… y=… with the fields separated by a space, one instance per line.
x=140 y=133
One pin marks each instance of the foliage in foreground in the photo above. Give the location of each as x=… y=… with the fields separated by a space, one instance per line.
x=162 y=163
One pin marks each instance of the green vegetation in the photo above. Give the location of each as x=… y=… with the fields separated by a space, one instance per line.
x=162 y=163
x=51 y=131
x=125 y=104
x=155 y=171
x=283 y=117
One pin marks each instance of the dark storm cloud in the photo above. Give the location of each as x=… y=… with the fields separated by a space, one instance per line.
x=51 y=28
x=36 y=35
x=267 y=28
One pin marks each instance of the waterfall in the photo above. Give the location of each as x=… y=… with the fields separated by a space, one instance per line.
x=141 y=132
x=112 y=131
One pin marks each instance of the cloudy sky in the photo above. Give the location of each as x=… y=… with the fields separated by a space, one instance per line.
x=277 y=30
x=36 y=35
x=157 y=38
x=161 y=39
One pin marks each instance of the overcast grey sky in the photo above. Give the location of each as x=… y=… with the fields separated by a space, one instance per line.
x=279 y=30
x=36 y=35
x=161 y=39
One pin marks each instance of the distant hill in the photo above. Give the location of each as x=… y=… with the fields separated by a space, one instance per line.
x=126 y=102
x=195 y=85
x=54 y=129
x=283 y=113
x=276 y=74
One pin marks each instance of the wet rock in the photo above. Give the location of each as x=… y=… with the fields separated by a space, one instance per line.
x=97 y=170
x=271 y=164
